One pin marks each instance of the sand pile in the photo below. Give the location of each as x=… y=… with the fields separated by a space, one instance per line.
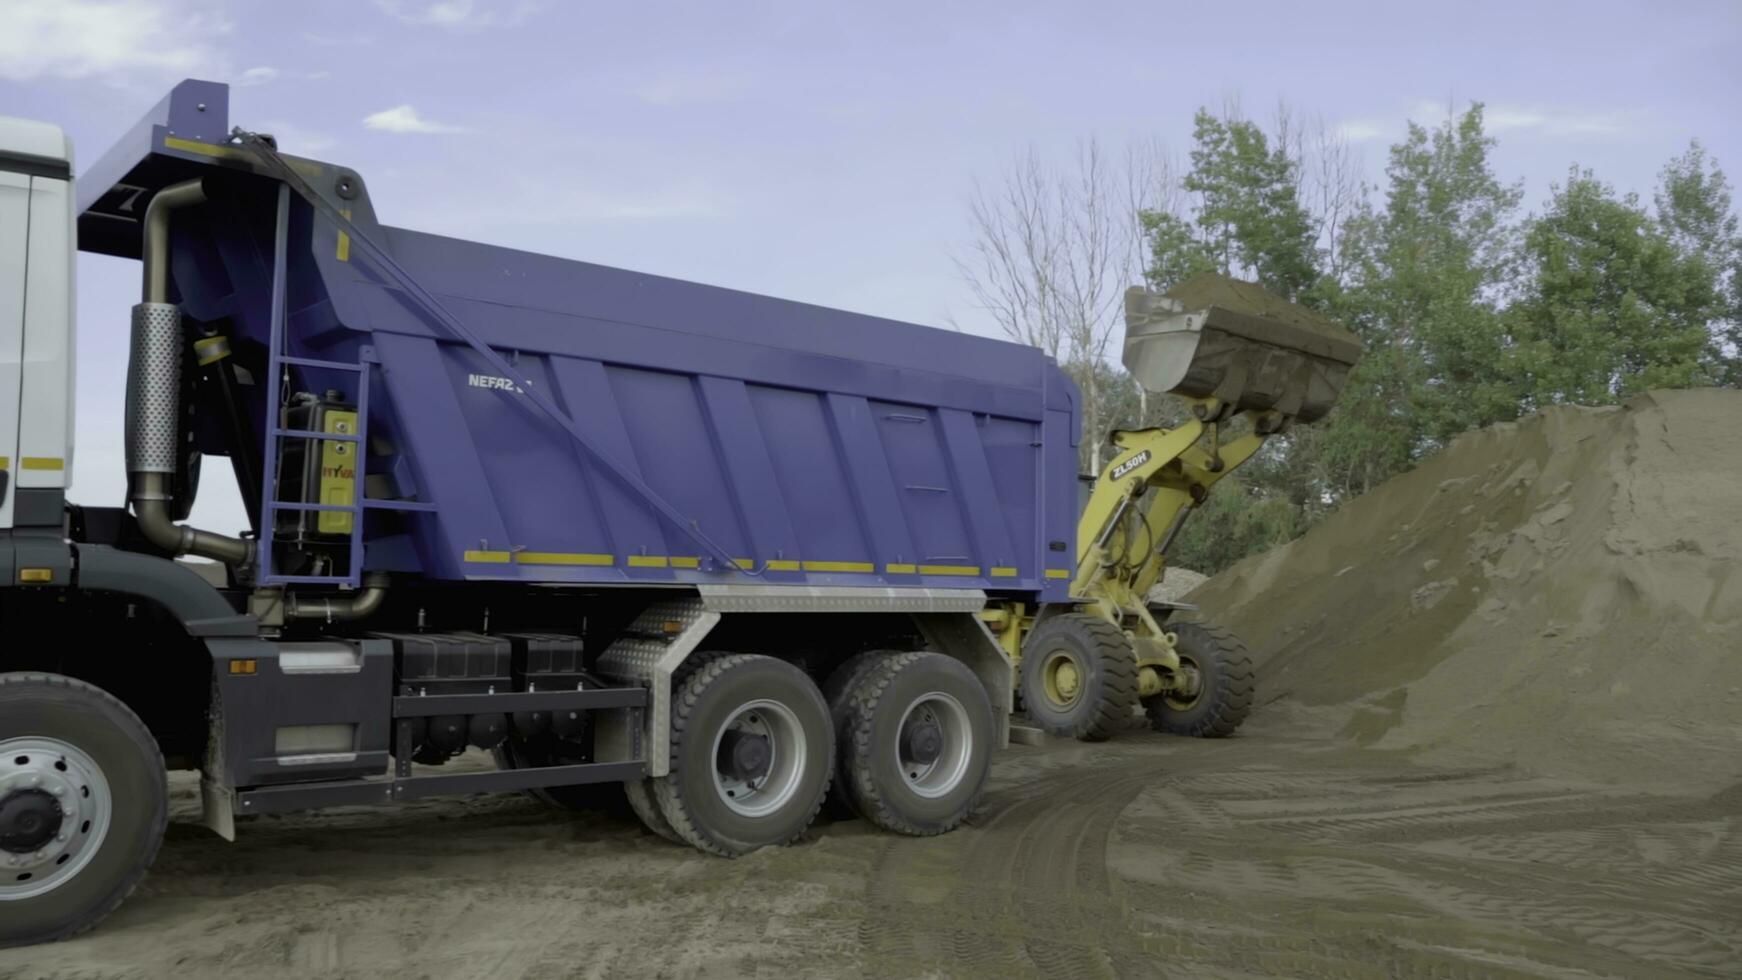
x=1561 y=593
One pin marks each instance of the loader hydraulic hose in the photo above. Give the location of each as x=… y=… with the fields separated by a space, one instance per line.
x=154 y=395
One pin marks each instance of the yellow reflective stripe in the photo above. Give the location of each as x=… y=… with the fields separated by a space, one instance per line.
x=42 y=463
x=344 y=248
x=204 y=149
x=782 y=565
x=1058 y=573
x=683 y=562
x=564 y=558
x=747 y=564
x=5 y=463
x=486 y=557
x=839 y=566
x=900 y=568
x=949 y=570
x=1003 y=571
x=647 y=561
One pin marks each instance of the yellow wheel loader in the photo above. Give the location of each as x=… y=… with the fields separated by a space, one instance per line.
x=1249 y=365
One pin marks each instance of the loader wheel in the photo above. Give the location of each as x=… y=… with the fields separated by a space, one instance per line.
x=1079 y=677
x=1220 y=690
x=83 y=804
x=918 y=749
x=752 y=753
x=837 y=690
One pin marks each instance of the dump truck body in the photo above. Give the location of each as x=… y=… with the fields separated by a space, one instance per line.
x=814 y=446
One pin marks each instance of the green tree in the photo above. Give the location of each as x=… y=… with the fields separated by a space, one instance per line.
x=1248 y=219
x=1696 y=211
x=1612 y=306
x=1427 y=273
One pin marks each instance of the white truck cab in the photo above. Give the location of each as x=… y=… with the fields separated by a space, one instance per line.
x=36 y=322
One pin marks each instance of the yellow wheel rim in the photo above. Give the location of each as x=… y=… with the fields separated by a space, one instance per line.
x=1061 y=678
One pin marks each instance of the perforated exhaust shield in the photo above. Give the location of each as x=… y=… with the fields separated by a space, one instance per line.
x=1213 y=336
x=153 y=388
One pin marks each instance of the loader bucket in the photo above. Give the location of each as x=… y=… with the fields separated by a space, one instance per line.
x=1212 y=336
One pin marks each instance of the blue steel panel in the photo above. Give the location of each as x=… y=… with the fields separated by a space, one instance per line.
x=669 y=434
x=807 y=461
x=879 y=502
x=634 y=529
x=752 y=483
x=448 y=466
x=965 y=450
x=928 y=493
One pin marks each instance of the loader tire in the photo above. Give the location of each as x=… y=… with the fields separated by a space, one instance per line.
x=752 y=755
x=918 y=750
x=1079 y=678
x=837 y=690
x=84 y=800
x=1226 y=685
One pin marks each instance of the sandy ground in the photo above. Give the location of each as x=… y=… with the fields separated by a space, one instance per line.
x=1264 y=854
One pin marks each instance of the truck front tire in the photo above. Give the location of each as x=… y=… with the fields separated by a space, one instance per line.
x=83 y=805
x=752 y=753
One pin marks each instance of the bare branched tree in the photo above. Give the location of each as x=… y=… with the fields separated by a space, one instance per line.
x=1054 y=249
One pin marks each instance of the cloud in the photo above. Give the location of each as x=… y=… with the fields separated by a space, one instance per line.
x=404 y=119
x=1359 y=130
x=460 y=15
x=256 y=76
x=1501 y=117
x=685 y=88
x=110 y=39
x=337 y=40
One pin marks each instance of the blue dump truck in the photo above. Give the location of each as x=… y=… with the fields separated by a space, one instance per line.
x=732 y=552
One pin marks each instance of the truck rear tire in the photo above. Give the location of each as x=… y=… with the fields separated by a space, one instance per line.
x=752 y=753
x=83 y=804
x=837 y=690
x=1079 y=677
x=1225 y=687
x=918 y=743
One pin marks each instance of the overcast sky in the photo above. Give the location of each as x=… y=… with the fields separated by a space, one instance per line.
x=821 y=151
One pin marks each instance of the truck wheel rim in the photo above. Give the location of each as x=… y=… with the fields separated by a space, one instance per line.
x=55 y=809
x=934 y=744
x=758 y=795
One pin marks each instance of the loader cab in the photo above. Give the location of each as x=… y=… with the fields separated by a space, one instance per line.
x=36 y=322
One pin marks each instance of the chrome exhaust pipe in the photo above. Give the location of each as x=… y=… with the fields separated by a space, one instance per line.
x=154 y=395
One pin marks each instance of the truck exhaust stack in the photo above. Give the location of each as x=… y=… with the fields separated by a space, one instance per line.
x=154 y=395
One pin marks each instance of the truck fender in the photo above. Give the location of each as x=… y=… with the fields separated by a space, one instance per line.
x=201 y=609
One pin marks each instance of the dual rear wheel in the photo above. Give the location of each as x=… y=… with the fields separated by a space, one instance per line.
x=904 y=739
